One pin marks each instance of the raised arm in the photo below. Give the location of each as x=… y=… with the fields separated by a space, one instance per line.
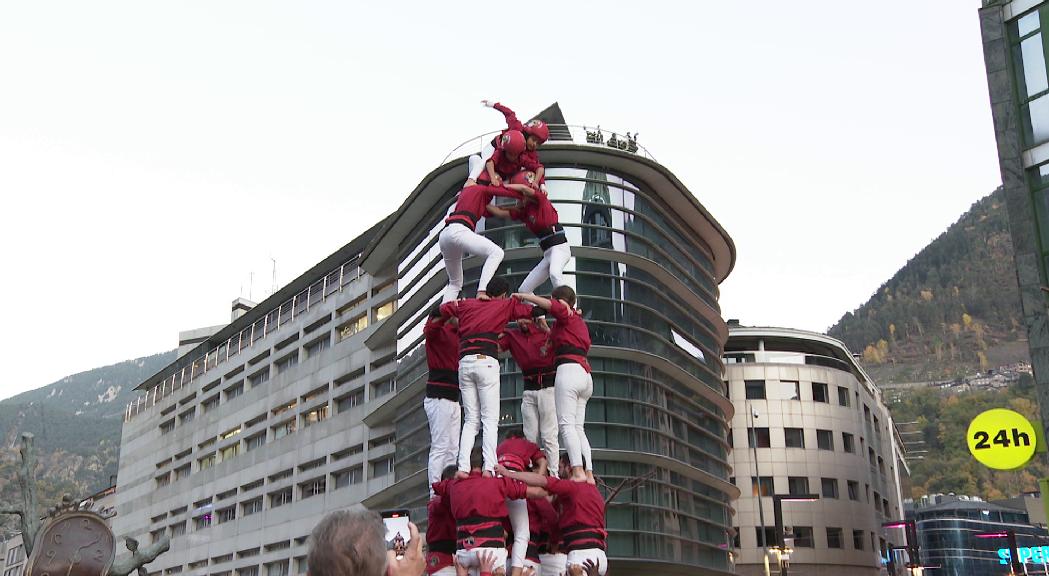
x=511 y=119
x=498 y=212
x=539 y=301
x=493 y=176
x=530 y=478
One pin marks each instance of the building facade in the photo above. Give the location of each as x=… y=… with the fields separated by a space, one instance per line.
x=808 y=420
x=947 y=526
x=14 y=556
x=312 y=400
x=1018 y=84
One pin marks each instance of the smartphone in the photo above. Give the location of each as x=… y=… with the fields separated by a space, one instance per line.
x=398 y=535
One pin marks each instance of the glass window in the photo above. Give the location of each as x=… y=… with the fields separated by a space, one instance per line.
x=382 y=467
x=834 y=537
x=755 y=389
x=1027 y=24
x=797 y=485
x=312 y=488
x=854 y=490
x=848 y=442
x=1032 y=61
x=765 y=535
x=857 y=539
x=785 y=390
x=280 y=498
x=1036 y=120
x=843 y=396
x=385 y=311
x=794 y=437
x=764 y=485
x=829 y=487
x=819 y=392
x=803 y=537
x=825 y=439
x=759 y=437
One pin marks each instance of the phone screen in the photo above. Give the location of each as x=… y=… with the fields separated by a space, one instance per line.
x=397 y=532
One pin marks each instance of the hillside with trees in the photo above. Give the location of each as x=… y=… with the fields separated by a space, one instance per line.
x=952 y=310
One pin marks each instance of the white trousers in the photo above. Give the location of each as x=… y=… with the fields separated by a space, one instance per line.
x=479 y=395
x=574 y=387
x=445 y=427
x=477 y=161
x=518 y=510
x=446 y=571
x=539 y=416
x=456 y=241
x=597 y=555
x=552 y=266
x=553 y=564
x=468 y=558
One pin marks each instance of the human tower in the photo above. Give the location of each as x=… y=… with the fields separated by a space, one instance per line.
x=511 y=506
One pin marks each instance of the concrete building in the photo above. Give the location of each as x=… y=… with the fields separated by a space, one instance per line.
x=822 y=428
x=13 y=555
x=311 y=400
x=1018 y=83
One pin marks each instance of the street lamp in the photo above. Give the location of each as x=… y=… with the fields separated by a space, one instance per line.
x=1015 y=567
x=777 y=511
x=911 y=535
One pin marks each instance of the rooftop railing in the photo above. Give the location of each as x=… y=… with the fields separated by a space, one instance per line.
x=584 y=135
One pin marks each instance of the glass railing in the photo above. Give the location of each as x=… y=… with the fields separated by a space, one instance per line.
x=584 y=135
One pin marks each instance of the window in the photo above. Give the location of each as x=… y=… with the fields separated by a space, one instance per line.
x=829 y=487
x=759 y=437
x=318 y=346
x=797 y=485
x=820 y=393
x=885 y=507
x=235 y=390
x=282 y=409
x=206 y=462
x=277 y=568
x=843 y=396
x=803 y=537
x=854 y=490
x=253 y=442
x=350 y=400
x=353 y=326
x=187 y=416
x=227 y=514
x=260 y=377
x=210 y=404
x=346 y=453
x=385 y=311
x=281 y=475
x=381 y=441
x=282 y=545
x=383 y=387
x=283 y=429
x=251 y=486
x=825 y=439
x=163 y=480
x=251 y=506
x=766 y=535
x=312 y=488
x=313 y=416
x=153 y=537
x=881 y=465
x=382 y=467
x=307 y=466
x=168 y=426
x=230 y=451
x=178 y=529
x=794 y=437
x=755 y=389
x=834 y=538
x=248 y=571
x=786 y=390
x=202 y=521
x=280 y=498
x=765 y=485
x=226 y=495
x=848 y=442
x=871 y=457
x=287 y=362
x=857 y=539
x=229 y=434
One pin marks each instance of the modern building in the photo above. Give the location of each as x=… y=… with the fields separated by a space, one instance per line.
x=947 y=526
x=1018 y=83
x=808 y=420
x=311 y=400
x=13 y=555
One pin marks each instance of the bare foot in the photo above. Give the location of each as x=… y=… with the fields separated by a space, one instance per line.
x=590 y=477
x=578 y=475
x=470 y=182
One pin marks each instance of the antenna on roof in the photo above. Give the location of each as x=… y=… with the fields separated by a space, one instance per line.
x=273 y=288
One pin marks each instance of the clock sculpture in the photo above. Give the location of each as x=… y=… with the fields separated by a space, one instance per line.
x=73 y=543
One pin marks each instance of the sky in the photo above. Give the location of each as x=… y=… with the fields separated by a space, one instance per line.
x=156 y=158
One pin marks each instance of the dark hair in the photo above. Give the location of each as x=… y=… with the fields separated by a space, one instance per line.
x=476 y=458
x=514 y=432
x=564 y=293
x=497 y=286
x=449 y=472
x=565 y=460
x=435 y=312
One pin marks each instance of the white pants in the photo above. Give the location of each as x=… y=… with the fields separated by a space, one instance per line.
x=479 y=394
x=553 y=564
x=446 y=571
x=573 y=386
x=518 y=510
x=539 y=416
x=468 y=558
x=552 y=266
x=445 y=427
x=596 y=554
x=477 y=161
x=456 y=241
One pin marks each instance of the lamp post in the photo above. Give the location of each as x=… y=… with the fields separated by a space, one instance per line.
x=1015 y=567
x=777 y=511
x=761 y=506
x=911 y=535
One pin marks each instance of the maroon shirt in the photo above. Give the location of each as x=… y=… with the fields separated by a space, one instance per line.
x=533 y=352
x=440 y=535
x=570 y=336
x=470 y=207
x=482 y=322
x=512 y=123
x=519 y=454
x=582 y=514
x=507 y=167
x=478 y=505
x=538 y=215
x=442 y=358
x=542 y=518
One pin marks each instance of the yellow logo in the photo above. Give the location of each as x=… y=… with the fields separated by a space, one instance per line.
x=1001 y=439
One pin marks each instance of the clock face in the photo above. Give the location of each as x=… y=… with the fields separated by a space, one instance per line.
x=74 y=544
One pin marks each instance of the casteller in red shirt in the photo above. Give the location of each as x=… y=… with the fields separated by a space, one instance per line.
x=582 y=514
x=482 y=322
x=532 y=350
x=470 y=207
x=519 y=453
x=440 y=535
x=442 y=358
x=570 y=335
x=478 y=504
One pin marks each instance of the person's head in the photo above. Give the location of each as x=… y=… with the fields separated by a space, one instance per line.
x=536 y=132
x=523 y=177
x=564 y=293
x=513 y=432
x=512 y=143
x=476 y=459
x=564 y=467
x=348 y=543
x=449 y=472
x=498 y=287
x=435 y=312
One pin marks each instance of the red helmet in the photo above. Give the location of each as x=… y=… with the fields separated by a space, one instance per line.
x=538 y=129
x=526 y=177
x=513 y=142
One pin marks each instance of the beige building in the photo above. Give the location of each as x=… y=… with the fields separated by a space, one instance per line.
x=14 y=557
x=817 y=425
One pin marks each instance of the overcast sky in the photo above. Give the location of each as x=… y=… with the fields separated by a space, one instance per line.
x=154 y=156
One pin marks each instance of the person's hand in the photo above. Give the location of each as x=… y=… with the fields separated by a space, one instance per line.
x=575 y=570
x=541 y=322
x=460 y=475
x=486 y=560
x=460 y=570
x=501 y=470
x=487 y=103
x=413 y=563
x=592 y=568
x=528 y=571
x=497 y=180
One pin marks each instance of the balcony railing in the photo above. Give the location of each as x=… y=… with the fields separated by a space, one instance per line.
x=584 y=135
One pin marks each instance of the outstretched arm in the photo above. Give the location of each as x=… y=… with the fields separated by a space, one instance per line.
x=498 y=212
x=539 y=301
x=534 y=493
x=530 y=478
x=493 y=176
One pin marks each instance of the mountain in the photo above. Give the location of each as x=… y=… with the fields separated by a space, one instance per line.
x=952 y=310
x=76 y=423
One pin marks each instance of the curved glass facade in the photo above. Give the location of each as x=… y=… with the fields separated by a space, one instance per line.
x=661 y=415
x=947 y=542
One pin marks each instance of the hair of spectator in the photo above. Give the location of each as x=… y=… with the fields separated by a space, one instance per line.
x=564 y=293
x=348 y=543
x=449 y=472
x=476 y=458
x=497 y=286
